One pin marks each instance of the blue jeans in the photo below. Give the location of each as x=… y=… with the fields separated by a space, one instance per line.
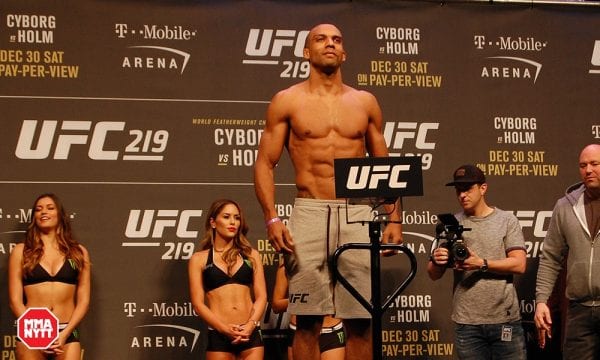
x=490 y=341
x=582 y=333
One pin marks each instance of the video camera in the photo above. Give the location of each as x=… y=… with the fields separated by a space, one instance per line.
x=448 y=234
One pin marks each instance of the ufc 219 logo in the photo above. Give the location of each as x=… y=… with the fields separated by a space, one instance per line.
x=263 y=43
x=402 y=135
x=369 y=176
x=535 y=223
x=538 y=221
x=265 y=46
x=57 y=140
x=152 y=224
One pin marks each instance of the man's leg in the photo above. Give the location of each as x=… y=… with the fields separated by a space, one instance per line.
x=471 y=342
x=581 y=333
x=306 y=339
x=508 y=341
x=359 y=344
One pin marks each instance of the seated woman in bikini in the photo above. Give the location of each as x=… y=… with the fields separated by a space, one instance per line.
x=50 y=269
x=227 y=285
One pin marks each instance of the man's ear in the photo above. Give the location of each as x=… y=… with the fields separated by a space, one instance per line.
x=306 y=53
x=483 y=188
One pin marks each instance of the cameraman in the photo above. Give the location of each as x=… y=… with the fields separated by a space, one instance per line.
x=485 y=306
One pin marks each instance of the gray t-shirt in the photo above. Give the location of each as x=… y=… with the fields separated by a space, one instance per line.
x=485 y=297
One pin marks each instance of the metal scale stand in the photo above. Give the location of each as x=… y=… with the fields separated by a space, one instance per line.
x=412 y=184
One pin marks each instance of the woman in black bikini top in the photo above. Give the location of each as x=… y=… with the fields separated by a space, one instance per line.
x=50 y=269
x=227 y=284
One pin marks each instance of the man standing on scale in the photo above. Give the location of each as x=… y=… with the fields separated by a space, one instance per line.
x=319 y=120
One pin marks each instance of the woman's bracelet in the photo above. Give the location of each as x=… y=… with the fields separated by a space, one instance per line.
x=272 y=221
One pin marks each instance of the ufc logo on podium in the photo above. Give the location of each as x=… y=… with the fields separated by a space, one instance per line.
x=386 y=177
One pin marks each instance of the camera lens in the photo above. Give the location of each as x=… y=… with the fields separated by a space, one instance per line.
x=460 y=252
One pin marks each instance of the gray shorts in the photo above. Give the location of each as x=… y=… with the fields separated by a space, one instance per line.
x=318 y=228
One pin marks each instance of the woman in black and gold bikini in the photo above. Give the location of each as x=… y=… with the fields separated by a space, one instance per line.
x=50 y=269
x=227 y=285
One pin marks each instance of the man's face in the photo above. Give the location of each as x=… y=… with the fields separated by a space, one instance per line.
x=589 y=166
x=470 y=196
x=324 y=47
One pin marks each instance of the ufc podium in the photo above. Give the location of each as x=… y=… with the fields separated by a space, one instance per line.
x=376 y=182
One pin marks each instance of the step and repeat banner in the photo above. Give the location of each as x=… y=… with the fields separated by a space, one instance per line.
x=140 y=114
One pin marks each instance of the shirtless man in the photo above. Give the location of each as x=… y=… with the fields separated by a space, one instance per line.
x=319 y=120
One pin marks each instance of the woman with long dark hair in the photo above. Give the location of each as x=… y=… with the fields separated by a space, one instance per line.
x=227 y=285
x=50 y=269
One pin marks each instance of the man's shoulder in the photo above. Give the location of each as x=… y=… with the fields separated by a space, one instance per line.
x=358 y=92
x=285 y=99
x=361 y=98
x=572 y=194
x=503 y=215
x=497 y=215
x=293 y=90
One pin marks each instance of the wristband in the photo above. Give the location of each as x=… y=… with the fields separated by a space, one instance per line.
x=272 y=221
x=255 y=322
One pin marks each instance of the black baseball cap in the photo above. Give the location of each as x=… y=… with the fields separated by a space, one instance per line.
x=467 y=174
